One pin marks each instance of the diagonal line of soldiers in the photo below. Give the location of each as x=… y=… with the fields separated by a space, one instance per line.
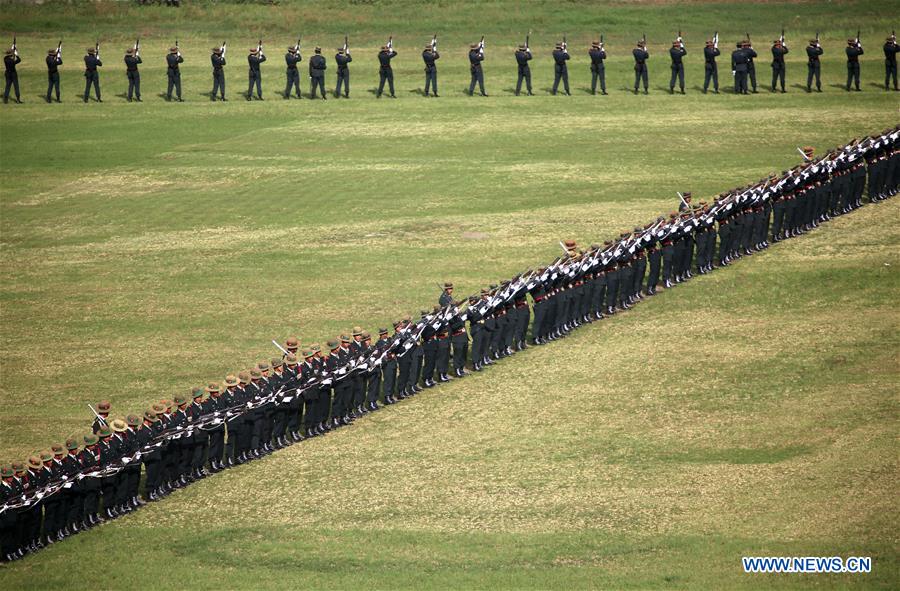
x=743 y=68
x=307 y=392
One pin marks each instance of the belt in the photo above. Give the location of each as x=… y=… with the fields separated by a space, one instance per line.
x=459 y=332
x=442 y=335
x=522 y=305
x=427 y=339
x=536 y=300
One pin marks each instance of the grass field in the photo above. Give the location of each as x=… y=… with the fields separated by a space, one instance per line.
x=149 y=248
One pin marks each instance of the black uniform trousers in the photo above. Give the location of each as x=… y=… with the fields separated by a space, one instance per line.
x=386 y=75
x=778 y=71
x=640 y=74
x=712 y=73
x=343 y=79
x=174 y=77
x=134 y=84
x=677 y=72
x=90 y=78
x=12 y=80
x=598 y=73
x=431 y=81
x=524 y=74
x=218 y=83
x=52 y=84
x=255 y=79
x=316 y=82
x=293 y=83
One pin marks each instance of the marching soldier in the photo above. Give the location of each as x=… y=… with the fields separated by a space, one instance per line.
x=291 y=59
x=710 y=53
x=317 y=65
x=598 y=70
x=173 y=73
x=751 y=66
x=476 y=56
x=429 y=56
x=560 y=68
x=854 y=50
x=891 y=49
x=385 y=72
x=91 y=76
x=523 y=56
x=641 y=55
x=54 y=60
x=343 y=58
x=12 y=77
x=255 y=58
x=102 y=417
x=677 y=53
x=218 y=65
x=739 y=59
x=779 y=50
x=814 y=68
x=132 y=59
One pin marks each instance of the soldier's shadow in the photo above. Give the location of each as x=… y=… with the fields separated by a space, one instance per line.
x=418 y=91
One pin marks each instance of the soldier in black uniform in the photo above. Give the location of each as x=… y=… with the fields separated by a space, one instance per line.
x=132 y=60
x=523 y=56
x=641 y=55
x=12 y=77
x=343 y=58
x=560 y=68
x=677 y=53
x=751 y=65
x=710 y=53
x=173 y=73
x=854 y=50
x=317 y=65
x=91 y=76
x=102 y=418
x=598 y=70
x=476 y=56
x=389 y=367
x=429 y=55
x=373 y=388
x=446 y=297
x=218 y=64
x=814 y=68
x=385 y=72
x=291 y=59
x=739 y=59
x=254 y=59
x=779 y=50
x=54 y=60
x=891 y=49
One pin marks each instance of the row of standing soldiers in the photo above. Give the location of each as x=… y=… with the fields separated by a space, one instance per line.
x=742 y=66
x=308 y=392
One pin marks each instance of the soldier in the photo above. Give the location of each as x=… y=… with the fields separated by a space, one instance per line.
x=476 y=56
x=854 y=50
x=292 y=58
x=317 y=65
x=446 y=297
x=429 y=56
x=132 y=59
x=389 y=366
x=443 y=352
x=685 y=202
x=54 y=60
x=739 y=59
x=384 y=71
x=560 y=68
x=233 y=425
x=677 y=53
x=751 y=66
x=598 y=70
x=343 y=58
x=12 y=77
x=523 y=56
x=129 y=498
x=372 y=378
x=218 y=64
x=813 y=51
x=891 y=49
x=89 y=458
x=153 y=460
x=254 y=59
x=102 y=417
x=710 y=53
x=641 y=55
x=173 y=74
x=71 y=466
x=91 y=76
x=779 y=50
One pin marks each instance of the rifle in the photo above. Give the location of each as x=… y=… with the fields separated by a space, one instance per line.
x=137 y=46
x=224 y=48
x=644 y=42
x=481 y=46
x=782 y=37
x=686 y=204
x=14 y=48
x=601 y=40
x=527 y=39
x=802 y=153
x=346 y=45
x=280 y=348
x=893 y=36
x=716 y=40
x=680 y=39
x=434 y=42
x=97 y=49
x=297 y=46
x=390 y=43
x=858 y=46
x=748 y=40
x=817 y=39
x=565 y=45
x=177 y=49
x=59 y=50
x=259 y=47
x=99 y=418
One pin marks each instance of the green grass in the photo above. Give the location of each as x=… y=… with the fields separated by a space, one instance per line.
x=149 y=248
